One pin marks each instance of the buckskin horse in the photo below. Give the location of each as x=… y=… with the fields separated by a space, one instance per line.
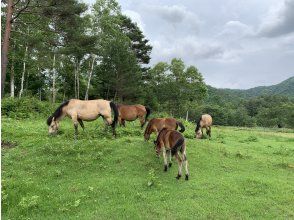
x=132 y=112
x=157 y=124
x=205 y=121
x=172 y=142
x=80 y=110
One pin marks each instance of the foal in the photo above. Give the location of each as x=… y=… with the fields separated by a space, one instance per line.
x=173 y=142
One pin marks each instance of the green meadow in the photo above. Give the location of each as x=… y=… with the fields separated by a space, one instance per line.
x=239 y=173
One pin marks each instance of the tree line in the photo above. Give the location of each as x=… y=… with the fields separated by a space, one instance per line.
x=57 y=50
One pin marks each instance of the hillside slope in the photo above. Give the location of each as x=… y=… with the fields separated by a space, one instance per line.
x=285 y=88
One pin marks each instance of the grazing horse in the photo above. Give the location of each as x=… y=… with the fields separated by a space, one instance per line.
x=205 y=121
x=172 y=142
x=80 y=110
x=132 y=112
x=157 y=124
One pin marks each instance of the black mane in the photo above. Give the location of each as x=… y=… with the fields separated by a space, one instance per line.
x=57 y=113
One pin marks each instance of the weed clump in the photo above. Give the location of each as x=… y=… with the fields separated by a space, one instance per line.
x=151 y=178
x=29 y=202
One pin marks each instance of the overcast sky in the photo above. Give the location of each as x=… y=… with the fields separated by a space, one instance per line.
x=234 y=43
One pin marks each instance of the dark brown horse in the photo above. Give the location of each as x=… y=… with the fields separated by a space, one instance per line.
x=80 y=110
x=172 y=142
x=157 y=124
x=205 y=121
x=132 y=112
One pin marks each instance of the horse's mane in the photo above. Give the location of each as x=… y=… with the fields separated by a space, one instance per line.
x=148 y=127
x=198 y=124
x=57 y=112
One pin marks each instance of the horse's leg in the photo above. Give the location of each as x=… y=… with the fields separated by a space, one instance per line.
x=179 y=165
x=185 y=163
x=74 y=119
x=81 y=123
x=123 y=122
x=169 y=155
x=119 y=121
x=209 y=131
x=142 y=121
x=164 y=158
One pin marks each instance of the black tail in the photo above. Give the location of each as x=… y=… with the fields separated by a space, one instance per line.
x=181 y=126
x=177 y=147
x=115 y=111
x=148 y=110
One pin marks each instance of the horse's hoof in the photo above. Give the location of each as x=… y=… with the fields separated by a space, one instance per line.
x=178 y=176
x=170 y=164
x=187 y=177
x=165 y=168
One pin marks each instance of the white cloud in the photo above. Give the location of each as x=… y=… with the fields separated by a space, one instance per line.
x=175 y=14
x=237 y=45
x=233 y=29
x=279 y=20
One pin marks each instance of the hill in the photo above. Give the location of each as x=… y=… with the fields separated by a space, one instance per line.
x=285 y=88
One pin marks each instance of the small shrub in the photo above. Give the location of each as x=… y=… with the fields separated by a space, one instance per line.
x=26 y=107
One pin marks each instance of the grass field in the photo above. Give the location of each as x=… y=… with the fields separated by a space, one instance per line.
x=238 y=174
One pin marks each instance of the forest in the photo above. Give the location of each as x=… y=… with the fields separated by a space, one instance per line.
x=58 y=50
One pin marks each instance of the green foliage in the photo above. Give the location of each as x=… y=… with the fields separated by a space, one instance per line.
x=265 y=111
x=177 y=88
x=27 y=107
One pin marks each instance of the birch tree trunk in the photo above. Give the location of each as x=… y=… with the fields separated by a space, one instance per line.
x=12 y=80
x=75 y=80
x=54 y=80
x=23 y=72
x=187 y=115
x=78 y=79
x=89 y=78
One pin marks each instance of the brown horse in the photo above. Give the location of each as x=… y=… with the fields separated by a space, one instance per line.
x=205 y=121
x=132 y=112
x=172 y=142
x=157 y=124
x=80 y=110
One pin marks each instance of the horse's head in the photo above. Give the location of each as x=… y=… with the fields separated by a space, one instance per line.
x=53 y=125
x=198 y=134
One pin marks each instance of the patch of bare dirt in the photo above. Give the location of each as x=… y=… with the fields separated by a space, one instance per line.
x=8 y=144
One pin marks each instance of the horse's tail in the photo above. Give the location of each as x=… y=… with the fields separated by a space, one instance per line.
x=181 y=126
x=178 y=146
x=148 y=110
x=115 y=111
